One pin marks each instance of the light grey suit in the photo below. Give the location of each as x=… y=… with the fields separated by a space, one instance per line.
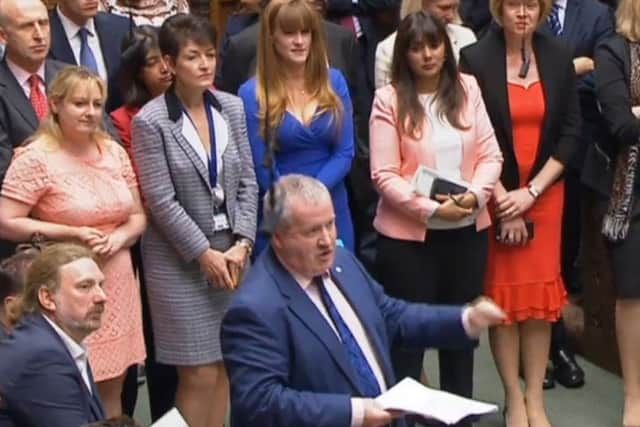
x=186 y=310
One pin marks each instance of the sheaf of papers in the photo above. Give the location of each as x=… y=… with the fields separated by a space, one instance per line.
x=423 y=180
x=171 y=419
x=412 y=397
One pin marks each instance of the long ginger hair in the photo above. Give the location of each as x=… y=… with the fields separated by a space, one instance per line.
x=289 y=16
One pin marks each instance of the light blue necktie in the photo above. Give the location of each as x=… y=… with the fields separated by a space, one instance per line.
x=368 y=382
x=554 y=20
x=87 y=58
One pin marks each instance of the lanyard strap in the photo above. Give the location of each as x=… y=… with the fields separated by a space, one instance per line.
x=212 y=157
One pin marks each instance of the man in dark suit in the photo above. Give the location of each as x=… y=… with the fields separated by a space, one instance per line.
x=582 y=24
x=24 y=74
x=82 y=35
x=239 y=65
x=307 y=337
x=45 y=377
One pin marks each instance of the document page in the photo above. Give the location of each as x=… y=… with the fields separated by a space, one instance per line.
x=171 y=419
x=412 y=397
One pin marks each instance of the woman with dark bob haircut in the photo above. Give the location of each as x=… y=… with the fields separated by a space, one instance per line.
x=197 y=178
x=143 y=76
x=432 y=249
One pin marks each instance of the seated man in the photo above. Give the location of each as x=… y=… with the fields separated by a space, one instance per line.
x=9 y=289
x=307 y=337
x=13 y=272
x=45 y=378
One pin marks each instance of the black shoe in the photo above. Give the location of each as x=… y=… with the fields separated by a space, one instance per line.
x=566 y=369
x=549 y=382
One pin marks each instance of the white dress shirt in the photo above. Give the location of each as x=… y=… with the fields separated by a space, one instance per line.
x=77 y=351
x=71 y=30
x=22 y=77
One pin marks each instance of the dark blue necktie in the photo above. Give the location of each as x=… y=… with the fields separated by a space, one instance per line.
x=87 y=58
x=368 y=382
x=554 y=20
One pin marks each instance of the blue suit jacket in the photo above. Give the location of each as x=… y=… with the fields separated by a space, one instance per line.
x=111 y=31
x=587 y=23
x=40 y=385
x=286 y=365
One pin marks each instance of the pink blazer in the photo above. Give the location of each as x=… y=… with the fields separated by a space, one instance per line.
x=395 y=157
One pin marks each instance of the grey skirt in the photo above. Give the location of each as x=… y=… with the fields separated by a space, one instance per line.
x=186 y=310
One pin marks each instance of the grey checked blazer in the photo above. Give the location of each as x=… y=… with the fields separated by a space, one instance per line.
x=174 y=181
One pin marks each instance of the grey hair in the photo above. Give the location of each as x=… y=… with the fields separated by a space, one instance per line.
x=288 y=188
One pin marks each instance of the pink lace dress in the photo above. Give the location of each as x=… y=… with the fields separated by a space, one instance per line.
x=65 y=190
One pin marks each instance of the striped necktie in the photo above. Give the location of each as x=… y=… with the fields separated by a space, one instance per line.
x=554 y=20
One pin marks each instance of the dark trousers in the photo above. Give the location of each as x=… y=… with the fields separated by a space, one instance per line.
x=447 y=268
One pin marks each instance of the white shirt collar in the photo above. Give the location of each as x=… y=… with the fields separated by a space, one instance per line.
x=305 y=282
x=22 y=75
x=77 y=351
x=71 y=28
x=562 y=4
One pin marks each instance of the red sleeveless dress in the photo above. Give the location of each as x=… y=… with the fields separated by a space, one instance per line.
x=526 y=280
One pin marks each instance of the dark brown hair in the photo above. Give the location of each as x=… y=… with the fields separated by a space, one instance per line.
x=180 y=29
x=135 y=48
x=423 y=28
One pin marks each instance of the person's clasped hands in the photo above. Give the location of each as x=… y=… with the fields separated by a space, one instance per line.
x=224 y=269
x=455 y=207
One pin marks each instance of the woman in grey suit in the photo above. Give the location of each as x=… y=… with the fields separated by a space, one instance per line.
x=197 y=179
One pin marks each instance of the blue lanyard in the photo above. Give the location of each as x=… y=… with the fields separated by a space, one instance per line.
x=212 y=157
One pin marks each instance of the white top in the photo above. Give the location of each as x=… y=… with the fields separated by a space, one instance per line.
x=77 y=351
x=458 y=35
x=22 y=77
x=445 y=142
x=355 y=326
x=71 y=30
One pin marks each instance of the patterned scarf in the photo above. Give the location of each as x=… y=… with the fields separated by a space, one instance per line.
x=615 y=224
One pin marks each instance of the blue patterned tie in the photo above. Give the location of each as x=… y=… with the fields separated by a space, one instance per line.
x=368 y=382
x=554 y=20
x=87 y=58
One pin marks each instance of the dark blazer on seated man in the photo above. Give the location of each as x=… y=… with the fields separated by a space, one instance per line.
x=110 y=29
x=40 y=384
x=287 y=367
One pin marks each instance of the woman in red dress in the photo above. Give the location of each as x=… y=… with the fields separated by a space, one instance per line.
x=528 y=84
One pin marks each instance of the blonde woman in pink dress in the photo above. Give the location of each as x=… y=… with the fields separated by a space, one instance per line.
x=72 y=182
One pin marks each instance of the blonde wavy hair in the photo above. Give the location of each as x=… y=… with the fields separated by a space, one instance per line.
x=289 y=16
x=628 y=19
x=68 y=81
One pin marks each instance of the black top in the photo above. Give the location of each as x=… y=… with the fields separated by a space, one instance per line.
x=486 y=60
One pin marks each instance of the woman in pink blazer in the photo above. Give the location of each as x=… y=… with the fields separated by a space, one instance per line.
x=433 y=116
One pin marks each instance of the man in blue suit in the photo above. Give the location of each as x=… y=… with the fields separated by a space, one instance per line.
x=45 y=378
x=307 y=337
x=81 y=35
x=582 y=24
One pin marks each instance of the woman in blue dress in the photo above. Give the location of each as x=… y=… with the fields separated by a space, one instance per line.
x=310 y=115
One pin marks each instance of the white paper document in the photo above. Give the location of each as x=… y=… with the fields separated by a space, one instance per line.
x=414 y=398
x=171 y=419
x=423 y=180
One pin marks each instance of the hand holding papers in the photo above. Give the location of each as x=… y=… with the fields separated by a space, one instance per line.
x=413 y=398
